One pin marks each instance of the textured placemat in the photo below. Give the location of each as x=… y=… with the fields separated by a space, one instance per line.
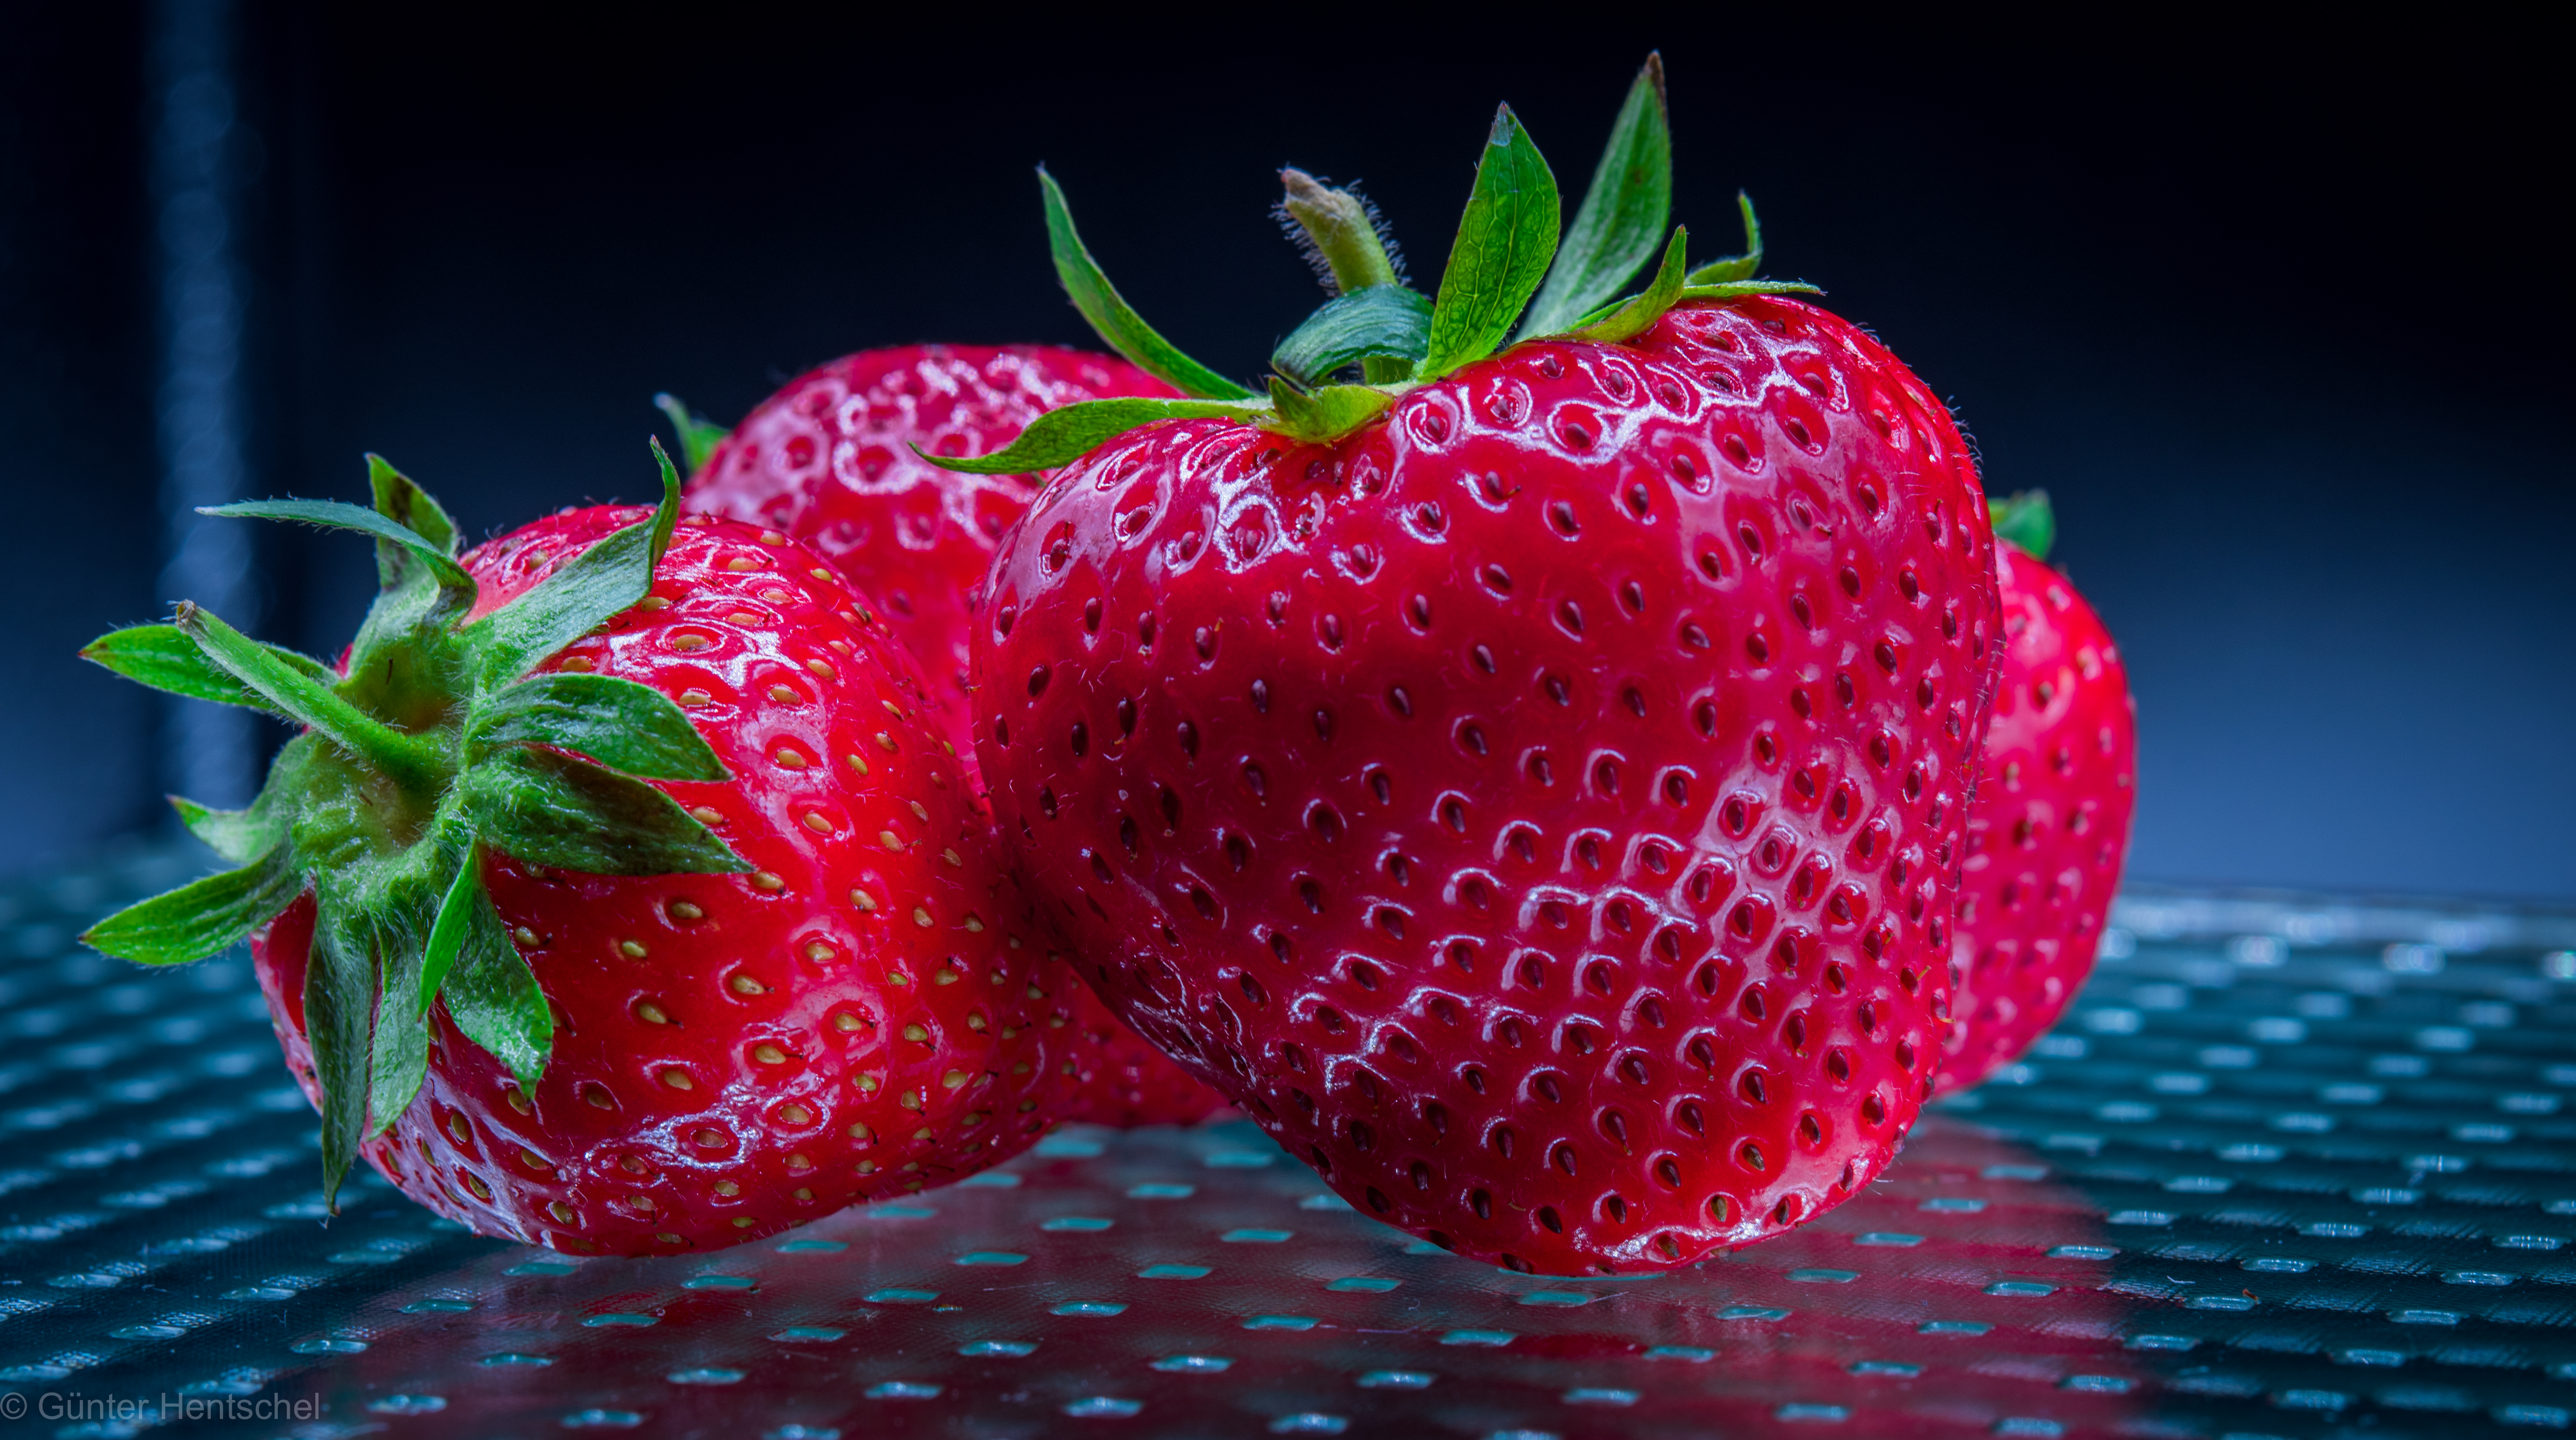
x=2292 y=1168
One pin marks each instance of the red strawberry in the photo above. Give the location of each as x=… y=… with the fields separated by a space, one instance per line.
x=1108 y=1075
x=2050 y=824
x=785 y=983
x=1534 y=793
x=829 y=460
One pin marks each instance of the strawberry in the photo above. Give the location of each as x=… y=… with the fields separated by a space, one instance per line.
x=834 y=460
x=1531 y=784
x=2050 y=824
x=830 y=459
x=1108 y=1075
x=630 y=902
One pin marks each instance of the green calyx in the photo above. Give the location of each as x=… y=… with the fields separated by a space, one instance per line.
x=2026 y=520
x=698 y=435
x=1513 y=275
x=436 y=748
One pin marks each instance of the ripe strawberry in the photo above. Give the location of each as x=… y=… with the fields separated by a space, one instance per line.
x=829 y=460
x=835 y=460
x=1533 y=792
x=1106 y=1074
x=770 y=978
x=2050 y=823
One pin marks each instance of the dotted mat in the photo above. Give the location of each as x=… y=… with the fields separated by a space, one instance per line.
x=2292 y=1168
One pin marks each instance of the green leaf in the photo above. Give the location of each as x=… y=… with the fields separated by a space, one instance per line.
x=1630 y=202
x=400 y=499
x=618 y=723
x=242 y=836
x=1061 y=436
x=239 y=836
x=1736 y=267
x=298 y=696
x=593 y=587
x=1504 y=243
x=1326 y=414
x=1379 y=322
x=398 y=1049
x=449 y=931
x=163 y=657
x=491 y=993
x=1738 y=289
x=699 y=436
x=666 y=515
x=1110 y=315
x=1633 y=316
x=339 y=1003
x=2027 y=520
x=550 y=809
x=202 y=918
x=456 y=588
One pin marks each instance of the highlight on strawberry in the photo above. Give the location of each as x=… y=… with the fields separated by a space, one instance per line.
x=618 y=894
x=1520 y=751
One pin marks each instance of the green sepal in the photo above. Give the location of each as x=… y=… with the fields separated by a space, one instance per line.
x=591 y=589
x=1062 y=436
x=1380 y=322
x=398 y=1044
x=2027 y=520
x=1736 y=267
x=1322 y=415
x=1631 y=317
x=339 y=1004
x=699 y=436
x=292 y=692
x=237 y=835
x=204 y=917
x=551 y=809
x=490 y=992
x=1738 y=289
x=455 y=586
x=400 y=499
x=241 y=836
x=1627 y=206
x=1505 y=241
x=619 y=723
x=163 y=657
x=1110 y=315
x=447 y=932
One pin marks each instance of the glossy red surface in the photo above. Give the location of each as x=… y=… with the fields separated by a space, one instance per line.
x=2050 y=824
x=737 y=1054
x=1112 y=1076
x=1539 y=809
x=829 y=460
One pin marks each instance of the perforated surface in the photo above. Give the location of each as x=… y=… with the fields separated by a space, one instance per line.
x=2290 y=1169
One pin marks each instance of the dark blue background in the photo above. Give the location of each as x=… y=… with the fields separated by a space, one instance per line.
x=2278 y=317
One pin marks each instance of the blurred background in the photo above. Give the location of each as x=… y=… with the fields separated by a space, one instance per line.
x=2280 y=319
